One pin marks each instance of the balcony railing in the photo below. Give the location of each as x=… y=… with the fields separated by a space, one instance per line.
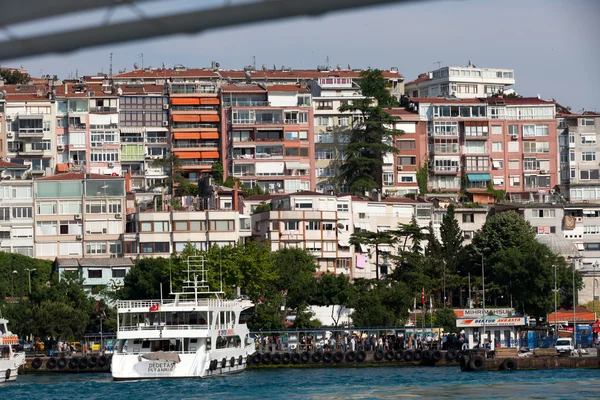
x=238 y=103
x=445 y=168
x=31 y=132
x=446 y=149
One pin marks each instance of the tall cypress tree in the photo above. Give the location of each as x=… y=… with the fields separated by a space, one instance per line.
x=452 y=238
x=371 y=137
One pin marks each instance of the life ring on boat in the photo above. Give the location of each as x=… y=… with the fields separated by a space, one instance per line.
x=389 y=355
x=102 y=362
x=508 y=365
x=451 y=355
x=51 y=363
x=361 y=356
x=477 y=363
x=276 y=358
x=83 y=363
x=256 y=358
x=7 y=374
x=317 y=357
x=399 y=355
x=408 y=356
x=92 y=361
x=224 y=362
x=327 y=357
x=36 y=363
x=305 y=357
x=74 y=363
x=241 y=360
x=436 y=355
x=418 y=355
x=351 y=356
x=338 y=357
x=286 y=358
x=232 y=362
x=427 y=354
x=266 y=358
x=62 y=363
x=378 y=356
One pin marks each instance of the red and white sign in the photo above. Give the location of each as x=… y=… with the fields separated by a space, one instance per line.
x=489 y=321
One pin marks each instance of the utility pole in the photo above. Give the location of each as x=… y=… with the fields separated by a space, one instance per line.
x=555 y=304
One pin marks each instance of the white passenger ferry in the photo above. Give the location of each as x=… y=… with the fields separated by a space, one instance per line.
x=196 y=335
x=10 y=360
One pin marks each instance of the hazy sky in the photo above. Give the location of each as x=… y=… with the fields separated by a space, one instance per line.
x=552 y=45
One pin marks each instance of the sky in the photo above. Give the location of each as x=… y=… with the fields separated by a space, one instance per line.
x=551 y=44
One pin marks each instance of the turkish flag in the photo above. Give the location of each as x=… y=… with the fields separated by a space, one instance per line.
x=423 y=296
x=155 y=307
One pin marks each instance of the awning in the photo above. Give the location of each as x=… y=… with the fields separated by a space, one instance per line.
x=210 y=101
x=209 y=135
x=186 y=118
x=187 y=154
x=479 y=177
x=292 y=165
x=185 y=101
x=269 y=167
x=210 y=118
x=187 y=135
x=132 y=129
x=364 y=226
x=209 y=154
x=344 y=243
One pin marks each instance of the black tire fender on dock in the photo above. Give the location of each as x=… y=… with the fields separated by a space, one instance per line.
x=74 y=363
x=436 y=355
x=338 y=357
x=451 y=355
x=351 y=356
x=295 y=358
x=83 y=363
x=317 y=357
x=508 y=365
x=286 y=358
x=361 y=356
x=305 y=357
x=256 y=358
x=399 y=355
x=276 y=358
x=477 y=363
x=92 y=361
x=464 y=362
x=408 y=355
x=266 y=358
x=62 y=363
x=7 y=374
x=327 y=357
x=378 y=356
x=51 y=363
x=427 y=354
x=36 y=363
x=418 y=355
x=389 y=355
x=102 y=361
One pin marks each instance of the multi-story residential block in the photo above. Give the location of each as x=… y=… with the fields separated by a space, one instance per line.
x=579 y=155
x=79 y=215
x=270 y=138
x=96 y=273
x=73 y=128
x=470 y=218
x=16 y=210
x=461 y=82
x=2 y=124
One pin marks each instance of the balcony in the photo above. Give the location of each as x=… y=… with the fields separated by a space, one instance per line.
x=240 y=103
x=445 y=169
x=449 y=148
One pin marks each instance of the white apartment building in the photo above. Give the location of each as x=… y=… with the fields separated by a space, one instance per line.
x=16 y=210
x=462 y=82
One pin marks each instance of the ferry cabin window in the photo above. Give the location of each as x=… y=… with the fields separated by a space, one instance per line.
x=224 y=342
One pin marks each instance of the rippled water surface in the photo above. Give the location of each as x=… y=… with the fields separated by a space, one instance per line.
x=337 y=383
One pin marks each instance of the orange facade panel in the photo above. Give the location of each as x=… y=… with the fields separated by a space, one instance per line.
x=185 y=101
x=209 y=154
x=62 y=167
x=209 y=135
x=209 y=118
x=187 y=135
x=210 y=101
x=187 y=154
x=186 y=118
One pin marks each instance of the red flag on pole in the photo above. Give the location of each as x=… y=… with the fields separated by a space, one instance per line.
x=155 y=307
x=423 y=296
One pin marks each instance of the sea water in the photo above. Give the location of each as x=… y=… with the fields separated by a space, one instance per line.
x=319 y=383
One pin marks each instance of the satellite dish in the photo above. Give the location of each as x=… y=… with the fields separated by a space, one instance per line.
x=264 y=67
x=247 y=74
x=340 y=226
x=136 y=65
x=120 y=91
x=217 y=65
x=339 y=67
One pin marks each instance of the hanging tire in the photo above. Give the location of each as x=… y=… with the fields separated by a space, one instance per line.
x=7 y=374
x=83 y=363
x=213 y=365
x=305 y=357
x=418 y=356
x=338 y=357
x=276 y=358
x=427 y=354
x=51 y=363
x=451 y=355
x=240 y=360
x=286 y=358
x=232 y=362
x=408 y=356
x=62 y=363
x=295 y=358
x=102 y=361
x=464 y=363
x=327 y=357
x=508 y=365
x=361 y=356
x=436 y=355
x=36 y=363
x=74 y=363
x=223 y=362
x=317 y=357
x=351 y=356
x=477 y=363
x=266 y=358
x=256 y=358
x=399 y=355
x=389 y=355
x=378 y=356
x=93 y=361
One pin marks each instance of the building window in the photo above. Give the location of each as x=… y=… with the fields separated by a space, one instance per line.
x=114 y=206
x=497 y=146
x=496 y=129
x=70 y=207
x=313 y=225
x=95 y=207
x=515 y=181
x=543 y=213
x=587 y=121
x=95 y=248
x=119 y=273
x=46 y=228
x=222 y=225
x=588 y=156
x=514 y=164
x=94 y=274
x=115 y=248
x=342 y=207
x=22 y=212
x=46 y=207
x=467 y=235
x=388 y=178
x=407 y=160
x=468 y=218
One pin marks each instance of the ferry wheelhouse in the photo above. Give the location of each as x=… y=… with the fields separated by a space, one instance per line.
x=10 y=360
x=196 y=334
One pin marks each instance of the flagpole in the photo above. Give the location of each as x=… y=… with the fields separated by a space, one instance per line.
x=431 y=313
x=424 y=314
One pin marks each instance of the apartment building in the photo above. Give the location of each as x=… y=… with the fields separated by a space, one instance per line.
x=16 y=210
x=270 y=139
x=508 y=143
x=96 y=273
x=2 y=124
x=79 y=215
x=462 y=82
x=470 y=218
x=578 y=150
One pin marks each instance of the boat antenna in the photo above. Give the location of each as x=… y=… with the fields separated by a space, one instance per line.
x=161 y=294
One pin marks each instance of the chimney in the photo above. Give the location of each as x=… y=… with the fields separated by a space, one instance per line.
x=235 y=196
x=66 y=88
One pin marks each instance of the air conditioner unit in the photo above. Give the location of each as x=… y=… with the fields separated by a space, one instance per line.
x=110 y=165
x=77 y=216
x=60 y=147
x=78 y=237
x=9 y=134
x=165 y=123
x=399 y=167
x=329 y=128
x=118 y=216
x=515 y=136
x=9 y=117
x=165 y=106
x=104 y=231
x=578 y=219
x=113 y=256
x=543 y=171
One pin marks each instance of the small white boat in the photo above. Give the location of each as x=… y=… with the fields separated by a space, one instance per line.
x=196 y=335
x=10 y=360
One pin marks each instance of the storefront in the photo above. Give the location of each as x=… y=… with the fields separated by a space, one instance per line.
x=501 y=331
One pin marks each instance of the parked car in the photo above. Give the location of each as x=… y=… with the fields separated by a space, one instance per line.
x=26 y=346
x=564 y=346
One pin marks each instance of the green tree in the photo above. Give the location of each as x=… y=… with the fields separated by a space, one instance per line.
x=14 y=77
x=371 y=137
x=452 y=243
x=446 y=318
x=413 y=232
x=296 y=269
x=433 y=247
x=217 y=172
x=423 y=178
x=382 y=303
x=334 y=290
x=305 y=319
x=373 y=239
x=144 y=279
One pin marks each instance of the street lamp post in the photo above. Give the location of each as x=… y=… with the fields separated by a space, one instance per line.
x=12 y=279
x=480 y=251
x=444 y=263
x=594 y=287
x=29 y=271
x=555 y=304
x=574 y=311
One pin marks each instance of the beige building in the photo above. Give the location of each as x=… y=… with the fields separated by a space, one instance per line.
x=79 y=215
x=16 y=210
